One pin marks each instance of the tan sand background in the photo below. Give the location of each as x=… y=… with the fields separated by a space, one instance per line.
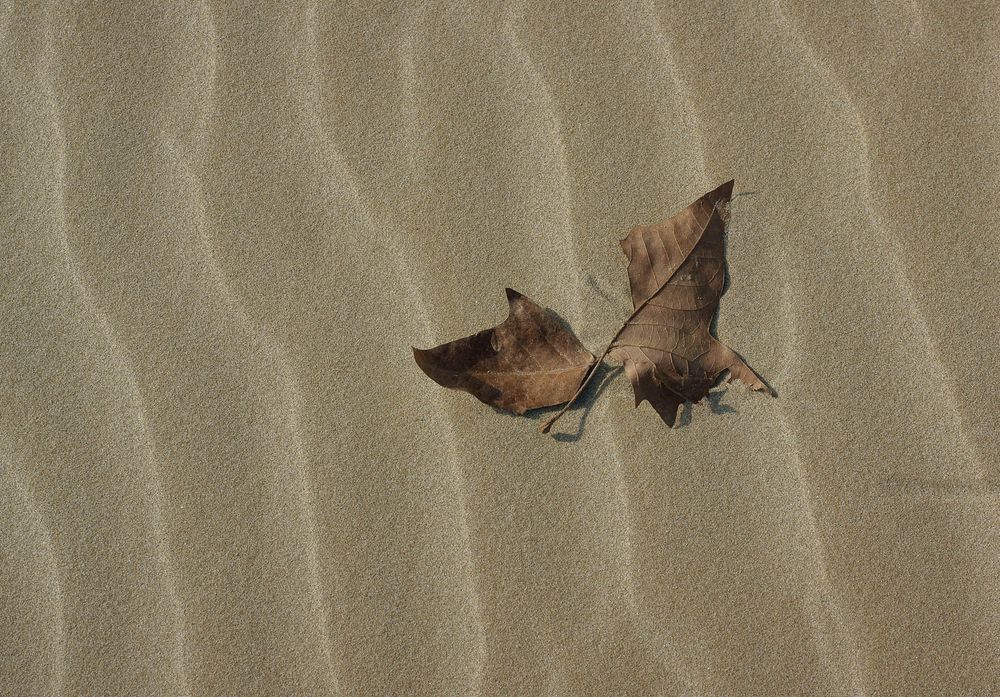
x=224 y=224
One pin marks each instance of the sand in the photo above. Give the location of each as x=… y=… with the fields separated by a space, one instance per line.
x=223 y=227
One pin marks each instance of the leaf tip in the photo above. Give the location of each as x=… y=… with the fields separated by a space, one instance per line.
x=420 y=356
x=720 y=195
x=628 y=248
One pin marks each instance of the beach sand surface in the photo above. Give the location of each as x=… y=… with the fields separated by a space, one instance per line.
x=223 y=226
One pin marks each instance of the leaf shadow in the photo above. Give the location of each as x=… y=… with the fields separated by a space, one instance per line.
x=591 y=281
x=605 y=374
x=714 y=403
x=713 y=326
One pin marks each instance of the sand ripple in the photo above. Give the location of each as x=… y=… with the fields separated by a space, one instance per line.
x=220 y=472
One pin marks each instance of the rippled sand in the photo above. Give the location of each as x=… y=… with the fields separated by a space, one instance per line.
x=224 y=226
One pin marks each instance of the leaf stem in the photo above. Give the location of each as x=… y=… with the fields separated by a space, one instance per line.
x=547 y=424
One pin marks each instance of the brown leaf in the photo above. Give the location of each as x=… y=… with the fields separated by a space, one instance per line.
x=677 y=274
x=528 y=361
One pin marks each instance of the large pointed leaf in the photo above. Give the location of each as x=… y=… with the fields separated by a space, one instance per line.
x=528 y=361
x=677 y=274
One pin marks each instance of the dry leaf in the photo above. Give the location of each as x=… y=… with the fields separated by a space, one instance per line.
x=677 y=273
x=528 y=361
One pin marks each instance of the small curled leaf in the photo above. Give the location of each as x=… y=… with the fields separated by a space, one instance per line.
x=528 y=361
